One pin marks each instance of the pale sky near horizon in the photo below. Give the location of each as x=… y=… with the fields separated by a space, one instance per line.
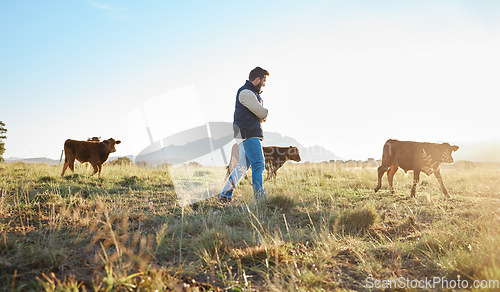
x=346 y=75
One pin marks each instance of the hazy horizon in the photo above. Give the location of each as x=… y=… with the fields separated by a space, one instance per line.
x=474 y=151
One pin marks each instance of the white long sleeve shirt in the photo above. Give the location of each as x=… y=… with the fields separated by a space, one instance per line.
x=248 y=99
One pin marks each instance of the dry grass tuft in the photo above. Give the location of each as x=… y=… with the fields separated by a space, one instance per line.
x=359 y=220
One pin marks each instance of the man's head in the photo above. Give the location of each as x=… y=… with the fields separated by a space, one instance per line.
x=258 y=77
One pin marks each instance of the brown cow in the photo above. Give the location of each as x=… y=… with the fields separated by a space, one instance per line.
x=416 y=156
x=274 y=157
x=88 y=151
x=277 y=156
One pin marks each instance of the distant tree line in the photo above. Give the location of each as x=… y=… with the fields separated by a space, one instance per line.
x=3 y=130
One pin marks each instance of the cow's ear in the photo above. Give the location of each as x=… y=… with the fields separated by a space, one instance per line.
x=454 y=148
x=118 y=142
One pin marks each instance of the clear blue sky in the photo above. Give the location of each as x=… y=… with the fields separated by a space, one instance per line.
x=346 y=75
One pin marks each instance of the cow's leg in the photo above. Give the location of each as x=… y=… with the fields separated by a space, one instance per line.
x=437 y=174
x=390 y=177
x=96 y=168
x=268 y=170
x=416 y=179
x=274 y=168
x=381 y=170
x=99 y=167
x=271 y=170
x=273 y=174
x=72 y=165
x=66 y=164
x=278 y=166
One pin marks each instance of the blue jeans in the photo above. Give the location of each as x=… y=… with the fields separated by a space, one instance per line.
x=251 y=155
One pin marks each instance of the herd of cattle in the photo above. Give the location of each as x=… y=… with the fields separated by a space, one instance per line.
x=408 y=155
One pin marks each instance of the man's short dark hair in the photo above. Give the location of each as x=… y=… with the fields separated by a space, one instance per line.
x=256 y=73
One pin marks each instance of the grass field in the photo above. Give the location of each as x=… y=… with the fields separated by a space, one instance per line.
x=321 y=229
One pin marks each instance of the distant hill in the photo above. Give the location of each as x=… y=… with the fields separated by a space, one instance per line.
x=312 y=154
x=315 y=153
x=51 y=161
x=33 y=160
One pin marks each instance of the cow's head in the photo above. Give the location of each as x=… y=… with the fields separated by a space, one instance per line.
x=293 y=153
x=447 y=150
x=110 y=144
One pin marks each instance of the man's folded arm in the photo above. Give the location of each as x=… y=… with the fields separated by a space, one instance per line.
x=250 y=101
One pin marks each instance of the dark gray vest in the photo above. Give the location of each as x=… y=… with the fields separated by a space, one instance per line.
x=246 y=124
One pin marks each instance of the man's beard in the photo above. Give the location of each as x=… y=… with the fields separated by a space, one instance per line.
x=259 y=86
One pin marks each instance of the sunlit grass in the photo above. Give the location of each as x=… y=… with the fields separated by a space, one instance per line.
x=322 y=227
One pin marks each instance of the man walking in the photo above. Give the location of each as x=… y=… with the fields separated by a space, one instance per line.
x=249 y=113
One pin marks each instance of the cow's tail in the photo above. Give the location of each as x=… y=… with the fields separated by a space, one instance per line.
x=387 y=152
